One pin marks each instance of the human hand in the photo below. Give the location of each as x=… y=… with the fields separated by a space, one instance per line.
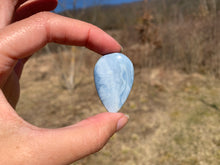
x=24 y=29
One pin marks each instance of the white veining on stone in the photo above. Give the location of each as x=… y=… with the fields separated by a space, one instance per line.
x=114 y=76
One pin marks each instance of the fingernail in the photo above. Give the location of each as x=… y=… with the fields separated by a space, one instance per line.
x=122 y=49
x=122 y=122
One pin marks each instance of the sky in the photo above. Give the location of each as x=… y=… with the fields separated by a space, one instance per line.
x=68 y=4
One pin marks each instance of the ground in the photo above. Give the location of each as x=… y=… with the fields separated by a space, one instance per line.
x=174 y=117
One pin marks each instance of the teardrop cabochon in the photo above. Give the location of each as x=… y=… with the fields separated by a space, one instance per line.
x=114 y=76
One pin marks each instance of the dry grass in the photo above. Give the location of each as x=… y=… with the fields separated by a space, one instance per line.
x=174 y=117
x=174 y=106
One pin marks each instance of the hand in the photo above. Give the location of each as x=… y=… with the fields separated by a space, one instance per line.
x=24 y=29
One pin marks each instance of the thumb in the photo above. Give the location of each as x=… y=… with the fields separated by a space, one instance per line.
x=53 y=146
x=66 y=145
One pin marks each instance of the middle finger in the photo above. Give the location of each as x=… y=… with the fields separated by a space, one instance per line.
x=26 y=8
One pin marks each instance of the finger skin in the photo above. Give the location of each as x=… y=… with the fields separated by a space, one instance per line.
x=27 y=144
x=25 y=37
x=6 y=12
x=72 y=143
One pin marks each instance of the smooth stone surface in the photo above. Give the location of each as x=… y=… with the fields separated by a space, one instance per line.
x=114 y=76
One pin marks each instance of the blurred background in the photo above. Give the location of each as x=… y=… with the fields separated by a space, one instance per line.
x=174 y=105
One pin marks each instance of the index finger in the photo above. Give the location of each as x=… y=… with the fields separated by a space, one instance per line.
x=25 y=37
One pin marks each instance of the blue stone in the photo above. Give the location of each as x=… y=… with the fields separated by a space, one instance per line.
x=114 y=76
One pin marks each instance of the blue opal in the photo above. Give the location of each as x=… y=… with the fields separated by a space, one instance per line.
x=114 y=76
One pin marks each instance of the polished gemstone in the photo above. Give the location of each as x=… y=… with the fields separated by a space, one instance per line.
x=114 y=76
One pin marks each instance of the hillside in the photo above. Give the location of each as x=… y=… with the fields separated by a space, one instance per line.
x=174 y=105
x=108 y=16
